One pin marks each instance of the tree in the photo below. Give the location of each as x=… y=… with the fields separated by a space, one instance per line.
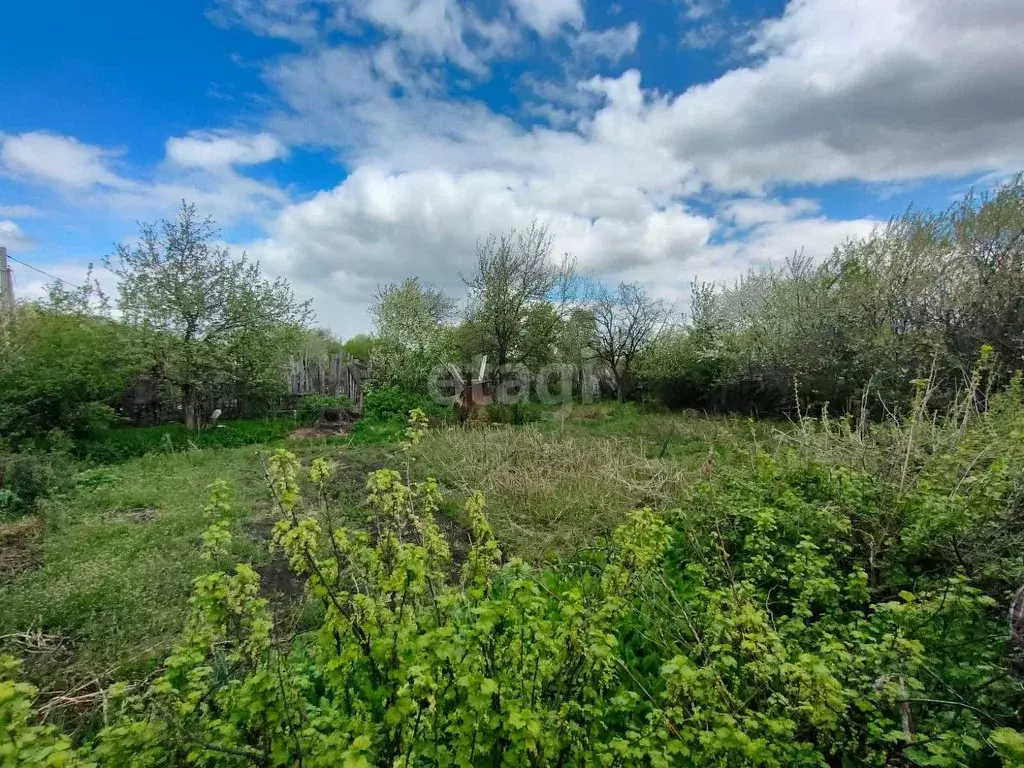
x=210 y=319
x=575 y=344
x=64 y=363
x=515 y=273
x=359 y=346
x=626 y=321
x=318 y=343
x=411 y=319
x=540 y=334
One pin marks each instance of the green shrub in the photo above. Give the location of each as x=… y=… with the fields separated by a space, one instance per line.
x=116 y=445
x=793 y=613
x=29 y=475
x=515 y=413
x=392 y=403
x=311 y=407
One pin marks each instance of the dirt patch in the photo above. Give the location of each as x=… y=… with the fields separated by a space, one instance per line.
x=282 y=588
x=333 y=422
x=19 y=548
x=458 y=538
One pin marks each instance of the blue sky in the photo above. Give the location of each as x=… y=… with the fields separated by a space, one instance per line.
x=346 y=143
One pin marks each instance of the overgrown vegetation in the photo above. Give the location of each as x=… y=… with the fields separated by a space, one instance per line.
x=602 y=584
x=796 y=612
x=917 y=299
x=117 y=445
x=313 y=407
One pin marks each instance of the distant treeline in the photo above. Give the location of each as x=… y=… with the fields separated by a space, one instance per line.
x=918 y=299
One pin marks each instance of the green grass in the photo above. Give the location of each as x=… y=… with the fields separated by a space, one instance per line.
x=116 y=562
x=120 y=444
x=116 y=557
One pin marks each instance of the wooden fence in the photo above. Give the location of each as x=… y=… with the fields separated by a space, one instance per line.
x=336 y=375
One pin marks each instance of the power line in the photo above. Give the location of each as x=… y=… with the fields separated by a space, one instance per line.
x=41 y=271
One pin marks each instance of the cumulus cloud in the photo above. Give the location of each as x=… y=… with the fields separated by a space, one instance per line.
x=62 y=160
x=217 y=150
x=639 y=183
x=378 y=226
x=200 y=169
x=13 y=237
x=876 y=90
x=750 y=211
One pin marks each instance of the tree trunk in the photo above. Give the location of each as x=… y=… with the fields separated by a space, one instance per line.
x=190 y=407
x=620 y=388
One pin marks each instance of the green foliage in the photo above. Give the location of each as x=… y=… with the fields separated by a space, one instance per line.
x=796 y=641
x=515 y=413
x=360 y=347
x=311 y=407
x=815 y=607
x=316 y=343
x=916 y=299
x=117 y=445
x=511 y=314
x=31 y=474
x=112 y=567
x=390 y=403
x=493 y=667
x=410 y=319
x=63 y=364
x=210 y=321
x=765 y=622
x=22 y=741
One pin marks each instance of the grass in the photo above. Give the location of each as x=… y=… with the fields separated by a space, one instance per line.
x=102 y=576
x=555 y=486
x=120 y=444
x=116 y=562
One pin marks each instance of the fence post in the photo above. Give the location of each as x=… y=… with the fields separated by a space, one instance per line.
x=6 y=281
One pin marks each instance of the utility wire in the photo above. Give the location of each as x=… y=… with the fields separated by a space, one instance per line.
x=41 y=271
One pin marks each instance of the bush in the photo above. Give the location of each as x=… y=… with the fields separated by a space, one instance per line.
x=775 y=619
x=117 y=445
x=31 y=474
x=514 y=413
x=312 y=407
x=391 y=403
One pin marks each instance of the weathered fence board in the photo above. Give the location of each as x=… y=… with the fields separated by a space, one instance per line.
x=335 y=375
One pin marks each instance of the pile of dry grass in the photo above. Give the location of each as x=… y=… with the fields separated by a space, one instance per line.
x=548 y=493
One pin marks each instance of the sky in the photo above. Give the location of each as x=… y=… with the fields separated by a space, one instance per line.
x=349 y=143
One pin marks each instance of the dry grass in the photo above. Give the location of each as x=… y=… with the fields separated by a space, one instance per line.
x=549 y=493
x=19 y=547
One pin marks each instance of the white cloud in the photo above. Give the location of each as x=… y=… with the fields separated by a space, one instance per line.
x=874 y=90
x=703 y=36
x=700 y=9
x=19 y=211
x=200 y=169
x=548 y=16
x=13 y=237
x=295 y=20
x=217 y=150
x=748 y=211
x=612 y=44
x=431 y=174
x=61 y=160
